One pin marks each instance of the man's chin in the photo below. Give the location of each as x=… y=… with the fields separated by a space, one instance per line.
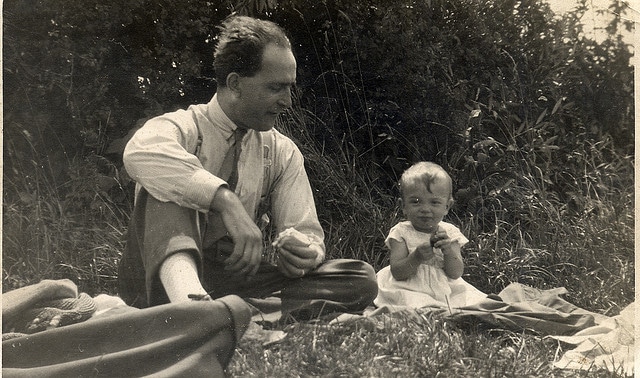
x=264 y=124
x=266 y=127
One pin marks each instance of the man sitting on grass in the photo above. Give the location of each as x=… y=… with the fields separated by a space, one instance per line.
x=204 y=177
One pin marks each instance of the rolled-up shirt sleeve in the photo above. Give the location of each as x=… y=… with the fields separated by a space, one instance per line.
x=292 y=198
x=157 y=157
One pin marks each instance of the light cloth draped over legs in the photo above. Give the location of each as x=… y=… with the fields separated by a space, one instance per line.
x=166 y=228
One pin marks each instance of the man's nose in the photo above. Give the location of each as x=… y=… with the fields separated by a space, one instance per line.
x=285 y=99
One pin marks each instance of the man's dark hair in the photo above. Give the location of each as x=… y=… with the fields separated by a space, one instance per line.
x=241 y=44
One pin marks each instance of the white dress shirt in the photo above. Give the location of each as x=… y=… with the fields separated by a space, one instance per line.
x=161 y=158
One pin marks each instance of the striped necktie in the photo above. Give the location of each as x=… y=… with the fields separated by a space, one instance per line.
x=235 y=151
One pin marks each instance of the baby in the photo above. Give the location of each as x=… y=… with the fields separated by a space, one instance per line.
x=425 y=260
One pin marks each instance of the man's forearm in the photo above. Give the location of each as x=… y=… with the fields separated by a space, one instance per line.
x=225 y=200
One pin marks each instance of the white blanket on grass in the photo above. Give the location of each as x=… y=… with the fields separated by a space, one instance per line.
x=608 y=345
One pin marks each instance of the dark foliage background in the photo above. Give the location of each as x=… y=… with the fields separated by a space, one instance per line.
x=533 y=120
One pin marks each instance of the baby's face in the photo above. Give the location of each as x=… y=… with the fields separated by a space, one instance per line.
x=424 y=208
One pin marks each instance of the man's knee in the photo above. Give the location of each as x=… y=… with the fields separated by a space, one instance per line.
x=357 y=278
x=369 y=285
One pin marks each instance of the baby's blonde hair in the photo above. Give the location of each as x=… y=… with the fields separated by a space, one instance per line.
x=427 y=173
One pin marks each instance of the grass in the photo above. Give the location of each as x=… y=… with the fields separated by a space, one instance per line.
x=403 y=345
x=73 y=231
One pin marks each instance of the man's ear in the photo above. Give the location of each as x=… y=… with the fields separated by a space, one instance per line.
x=233 y=83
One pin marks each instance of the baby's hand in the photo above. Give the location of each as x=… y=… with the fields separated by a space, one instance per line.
x=425 y=251
x=440 y=239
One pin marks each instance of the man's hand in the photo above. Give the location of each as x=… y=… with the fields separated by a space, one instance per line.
x=246 y=236
x=296 y=261
x=296 y=254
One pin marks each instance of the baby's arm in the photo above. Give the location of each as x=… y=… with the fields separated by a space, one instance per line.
x=453 y=265
x=404 y=264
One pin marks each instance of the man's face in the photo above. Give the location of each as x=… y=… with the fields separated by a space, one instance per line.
x=265 y=95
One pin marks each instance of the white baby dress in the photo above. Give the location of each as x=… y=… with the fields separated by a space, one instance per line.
x=430 y=286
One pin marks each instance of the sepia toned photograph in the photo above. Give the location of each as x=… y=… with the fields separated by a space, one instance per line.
x=318 y=188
